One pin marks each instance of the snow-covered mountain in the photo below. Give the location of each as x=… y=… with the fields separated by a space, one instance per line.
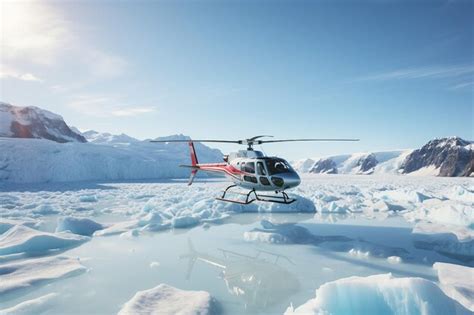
x=34 y=122
x=444 y=157
x=440 y=157
x=357 y=163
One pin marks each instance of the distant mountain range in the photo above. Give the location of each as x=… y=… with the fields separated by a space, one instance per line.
x=34 y=122
x=451 y=156
x=94 y=155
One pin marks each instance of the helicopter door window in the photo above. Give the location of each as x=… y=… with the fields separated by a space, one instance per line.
x=249 y=167
x=251 y=179
x=264 y=181
x=261 y=169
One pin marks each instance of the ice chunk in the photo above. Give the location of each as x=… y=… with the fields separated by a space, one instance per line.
x=359 y=253
x=22 y=239
x=46 y=209
x=154 y=264
x=402 y=194
x=81 y=226
x=459 y=193
x=457 y=282
x=332 y=207
x=164 y=299
x=26 y=273
x=453 y=241
x=34 y=306
x=394 y=259
x=88 y=198
x=444 y=212
x=6 y=224
x=378 y=294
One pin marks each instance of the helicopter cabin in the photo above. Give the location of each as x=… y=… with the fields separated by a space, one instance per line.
x=260 y=169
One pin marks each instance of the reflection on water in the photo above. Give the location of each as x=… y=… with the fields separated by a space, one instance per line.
x=259 y=280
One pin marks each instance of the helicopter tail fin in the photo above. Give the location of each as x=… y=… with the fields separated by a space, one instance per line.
x=194 y=163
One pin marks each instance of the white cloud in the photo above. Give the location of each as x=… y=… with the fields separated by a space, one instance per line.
x=8 y=73
x=133 y=111
x=462 y=85
x=437 y=72
x=105 y=106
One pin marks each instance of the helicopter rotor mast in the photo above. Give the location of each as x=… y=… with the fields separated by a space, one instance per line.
x=254 y=141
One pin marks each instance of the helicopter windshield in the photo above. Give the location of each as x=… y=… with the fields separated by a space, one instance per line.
x=277 y=166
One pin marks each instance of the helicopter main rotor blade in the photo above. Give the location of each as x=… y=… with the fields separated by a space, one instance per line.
x=298 y=140
x=193 y=140
x=256 y=137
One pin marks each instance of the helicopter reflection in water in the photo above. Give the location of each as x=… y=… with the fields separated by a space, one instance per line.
x=258 y=280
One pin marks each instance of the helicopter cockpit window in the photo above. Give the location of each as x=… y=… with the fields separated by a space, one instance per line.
x=249 y=167
x=277 y=166
x=261 y=169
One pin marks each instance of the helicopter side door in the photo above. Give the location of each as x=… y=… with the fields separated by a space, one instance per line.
x=262 y=174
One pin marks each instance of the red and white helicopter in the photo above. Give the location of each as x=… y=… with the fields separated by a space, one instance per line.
x=251 y=169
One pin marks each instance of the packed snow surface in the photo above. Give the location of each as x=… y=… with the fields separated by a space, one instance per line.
x=378 y=294
x=28 y=273
x=164 y=299
x=34 y=306
x=457 y=282
x=22 y=239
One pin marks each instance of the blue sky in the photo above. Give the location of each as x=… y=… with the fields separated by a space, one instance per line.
x=392 y=73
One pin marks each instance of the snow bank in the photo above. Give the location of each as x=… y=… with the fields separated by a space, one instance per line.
x=81 y=226
x=27 y=273
x=34 y=306
x=22 y=239
x=164 y=299
x=378 y=294
x=457 y=282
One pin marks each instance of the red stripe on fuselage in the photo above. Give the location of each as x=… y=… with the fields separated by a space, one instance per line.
x=221 y=167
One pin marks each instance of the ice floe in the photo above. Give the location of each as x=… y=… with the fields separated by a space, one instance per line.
x=164 y=299
x=457 y=282
x=22 y=239
x=34 y=306
x=6 y=224
x=81 y=226
x=378 y=294
x=27 y=273
x=450 y=240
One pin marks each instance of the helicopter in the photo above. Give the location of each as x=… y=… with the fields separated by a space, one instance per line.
x=251 y=169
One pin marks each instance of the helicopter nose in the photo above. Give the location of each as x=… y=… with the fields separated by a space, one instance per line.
x=291 y=180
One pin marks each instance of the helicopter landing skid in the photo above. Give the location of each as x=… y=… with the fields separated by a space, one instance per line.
x=283 y=198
